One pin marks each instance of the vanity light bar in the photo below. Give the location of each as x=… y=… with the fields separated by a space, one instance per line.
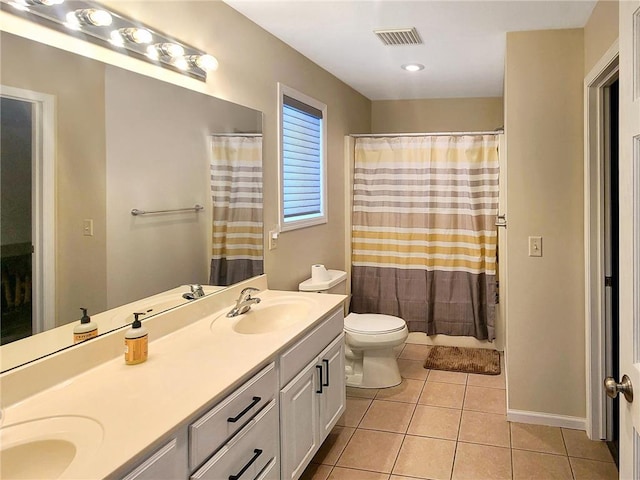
x=104 y=27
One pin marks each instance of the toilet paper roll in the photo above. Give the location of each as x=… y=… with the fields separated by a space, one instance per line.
x=319 y=273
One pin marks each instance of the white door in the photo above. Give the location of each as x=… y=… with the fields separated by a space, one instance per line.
x=630 y=234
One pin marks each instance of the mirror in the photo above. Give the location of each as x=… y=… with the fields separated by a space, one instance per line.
x=118 y=141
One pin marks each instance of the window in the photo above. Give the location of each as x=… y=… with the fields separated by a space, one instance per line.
x=302 y=147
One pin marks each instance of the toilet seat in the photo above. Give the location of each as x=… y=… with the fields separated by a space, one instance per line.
x=373 y=323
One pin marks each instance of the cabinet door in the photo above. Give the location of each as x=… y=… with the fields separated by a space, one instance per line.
x=299 y=438
x=333 y=398
x=166 y=463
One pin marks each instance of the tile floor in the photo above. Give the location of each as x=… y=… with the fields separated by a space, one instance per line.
x=449 y=426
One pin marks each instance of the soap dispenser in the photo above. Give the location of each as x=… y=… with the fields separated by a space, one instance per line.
x=86 y=329
x=136 y=342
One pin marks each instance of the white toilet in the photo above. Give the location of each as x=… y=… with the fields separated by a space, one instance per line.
x=369 y=338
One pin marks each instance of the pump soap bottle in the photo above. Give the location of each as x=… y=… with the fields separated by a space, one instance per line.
x=136 y=342
x=86 y=329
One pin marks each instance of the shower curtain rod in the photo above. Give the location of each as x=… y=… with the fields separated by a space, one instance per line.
x=424 y=134
x=235 y=134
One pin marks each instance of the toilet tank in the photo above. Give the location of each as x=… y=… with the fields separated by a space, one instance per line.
x=336 y=282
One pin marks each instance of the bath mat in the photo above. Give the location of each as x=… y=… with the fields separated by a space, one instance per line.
x=466 y=360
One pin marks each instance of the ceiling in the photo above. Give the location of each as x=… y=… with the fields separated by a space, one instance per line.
x=463 y=46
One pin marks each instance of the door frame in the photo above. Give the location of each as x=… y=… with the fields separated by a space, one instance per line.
x=595 y=154
x=43 y=204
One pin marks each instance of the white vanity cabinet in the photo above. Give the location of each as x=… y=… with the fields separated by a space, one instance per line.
x=236 y=439
x=312 y=401
x=268 y=428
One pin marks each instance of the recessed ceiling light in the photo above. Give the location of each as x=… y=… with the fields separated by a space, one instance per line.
x=413 y=67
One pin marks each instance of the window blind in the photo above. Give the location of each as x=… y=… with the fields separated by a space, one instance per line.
x=302 y=160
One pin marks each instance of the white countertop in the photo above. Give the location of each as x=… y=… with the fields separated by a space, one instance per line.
x=25 y=350
x=136 y=405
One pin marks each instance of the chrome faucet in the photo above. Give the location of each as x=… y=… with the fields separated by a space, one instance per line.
x=196 y=292
x=244 y=302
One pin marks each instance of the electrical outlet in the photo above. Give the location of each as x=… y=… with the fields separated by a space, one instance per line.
x=87 y=227
x=535 y=246
x=273 y=239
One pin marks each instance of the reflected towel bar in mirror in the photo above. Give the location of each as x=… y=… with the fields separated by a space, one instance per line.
x=195 y=208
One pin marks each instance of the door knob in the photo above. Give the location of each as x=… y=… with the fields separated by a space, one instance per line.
x=612 y=388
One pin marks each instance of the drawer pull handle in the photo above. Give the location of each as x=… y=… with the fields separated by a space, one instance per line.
x=319 y=367
x=257 y=452
x=253 y=403
x=326 y=364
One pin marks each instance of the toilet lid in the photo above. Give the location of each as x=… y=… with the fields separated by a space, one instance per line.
x=372 y=323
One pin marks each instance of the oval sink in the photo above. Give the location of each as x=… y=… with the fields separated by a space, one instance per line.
x=272 y=315
x=54 y=456
x=47 y=447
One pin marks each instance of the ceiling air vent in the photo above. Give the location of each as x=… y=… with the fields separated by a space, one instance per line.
x=399 y=36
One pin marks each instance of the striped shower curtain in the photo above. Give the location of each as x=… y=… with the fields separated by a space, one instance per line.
x=424 y=236
x=236 y=190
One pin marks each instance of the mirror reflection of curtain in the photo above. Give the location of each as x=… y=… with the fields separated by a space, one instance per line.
x=424 y=239
x=236 y=190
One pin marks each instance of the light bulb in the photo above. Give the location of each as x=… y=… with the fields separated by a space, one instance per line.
x=72 y=21
x=140 y=35
x=137 y=35
x=207 y=62
x=89 y=16
x=116 y=39
x=99 y=18
x=152 y=52
x=180 y=63
x=172 y=50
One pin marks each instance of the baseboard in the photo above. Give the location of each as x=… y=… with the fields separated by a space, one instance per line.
x=420 y=338
x=548 y=419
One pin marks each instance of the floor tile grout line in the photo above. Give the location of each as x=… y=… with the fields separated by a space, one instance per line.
x=513 y=470
x=395 y=461
x=455 y=451
x=520 y=449
x=564 y=444
x=363 y=415
x=413 y=413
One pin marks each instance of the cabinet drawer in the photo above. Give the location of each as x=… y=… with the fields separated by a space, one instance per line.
x=294 y=359
x=215 y=427
x=252 y=452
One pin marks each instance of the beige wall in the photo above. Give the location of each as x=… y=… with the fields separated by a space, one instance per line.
x=251 y=63
x=436 y=115
x=80 y=166
x=600 y=32
x=544 y=123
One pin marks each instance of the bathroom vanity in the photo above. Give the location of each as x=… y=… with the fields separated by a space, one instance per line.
x=247 y=397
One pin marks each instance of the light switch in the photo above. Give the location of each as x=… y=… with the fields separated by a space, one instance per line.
x=535 y=246
x=87 y=227
x=273 y=239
